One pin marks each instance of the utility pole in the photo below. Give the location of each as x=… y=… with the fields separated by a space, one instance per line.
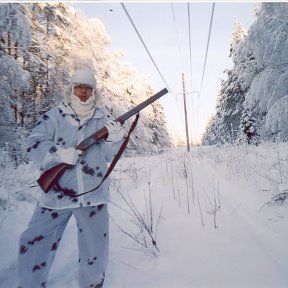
x=185 y=111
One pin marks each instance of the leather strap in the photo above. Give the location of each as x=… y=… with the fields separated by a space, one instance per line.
x=112 y=165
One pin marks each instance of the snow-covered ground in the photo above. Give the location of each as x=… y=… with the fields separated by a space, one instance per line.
x=213 y=222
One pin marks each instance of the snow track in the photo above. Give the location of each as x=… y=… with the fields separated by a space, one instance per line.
x=215 y=230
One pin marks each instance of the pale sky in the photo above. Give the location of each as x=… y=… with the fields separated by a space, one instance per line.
x=167 y=39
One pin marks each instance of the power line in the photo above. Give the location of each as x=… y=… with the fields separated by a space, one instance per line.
x=207 y=47
x=141 y=39
x=190 y=48
x=177 y=34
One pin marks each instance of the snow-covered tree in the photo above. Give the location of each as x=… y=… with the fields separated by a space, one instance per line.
x=211 y=134
x=260 y=66
x=248 y=128
x=268 y=39
x=228 y=111
x=15 y=38
x=238 y=35
x=14 y=34
x=277 y=120
x=41 y=44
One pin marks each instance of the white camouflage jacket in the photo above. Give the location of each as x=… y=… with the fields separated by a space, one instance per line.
x=60 y=128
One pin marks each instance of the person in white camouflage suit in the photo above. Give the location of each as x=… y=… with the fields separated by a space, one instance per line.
x=52 y=142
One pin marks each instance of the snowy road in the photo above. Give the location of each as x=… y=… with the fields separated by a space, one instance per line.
x=215 y=230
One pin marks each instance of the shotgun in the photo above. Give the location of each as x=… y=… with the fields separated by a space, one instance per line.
x=50 y=177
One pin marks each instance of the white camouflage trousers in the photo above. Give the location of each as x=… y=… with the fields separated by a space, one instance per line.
x=39 y=243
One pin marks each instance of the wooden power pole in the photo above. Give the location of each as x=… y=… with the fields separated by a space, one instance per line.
x=185 y=111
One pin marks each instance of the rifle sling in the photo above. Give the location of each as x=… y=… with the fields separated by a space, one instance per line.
x=112 y=165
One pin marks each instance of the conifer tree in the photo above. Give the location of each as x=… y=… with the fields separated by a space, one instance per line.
x=248 y=127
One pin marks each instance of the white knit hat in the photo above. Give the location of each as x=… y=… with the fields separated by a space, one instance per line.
x=83 y=76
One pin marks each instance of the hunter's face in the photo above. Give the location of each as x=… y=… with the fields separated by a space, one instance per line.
x=83 y=92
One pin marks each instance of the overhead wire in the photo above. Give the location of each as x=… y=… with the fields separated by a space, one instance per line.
x=145 y=46
x=190 y=59
x=177 y=34
x=207 y=47
x=179 y=52
x=190 y=45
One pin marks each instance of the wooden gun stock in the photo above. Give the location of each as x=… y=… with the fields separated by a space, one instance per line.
x=50 y=177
